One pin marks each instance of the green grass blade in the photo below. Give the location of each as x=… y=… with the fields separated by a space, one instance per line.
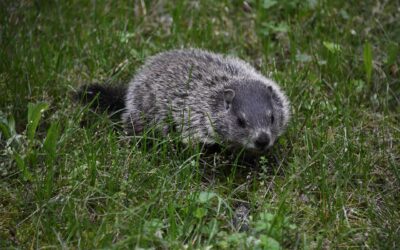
x=50 y=143
x=50 y=146
x=368 y=64
x=4 y=129
x=34 y=114
x=22 y=166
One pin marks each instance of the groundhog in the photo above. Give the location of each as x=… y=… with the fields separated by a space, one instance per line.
x=210 y=98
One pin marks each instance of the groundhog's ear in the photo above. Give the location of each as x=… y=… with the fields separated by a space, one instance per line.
x=270 y=91
x=229 y=94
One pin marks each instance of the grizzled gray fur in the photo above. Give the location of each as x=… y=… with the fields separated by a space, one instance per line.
x=209 y=97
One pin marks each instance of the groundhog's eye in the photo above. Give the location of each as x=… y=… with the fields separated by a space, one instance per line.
x=241 y=122
x=272 y=119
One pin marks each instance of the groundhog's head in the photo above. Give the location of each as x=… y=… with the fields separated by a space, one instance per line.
x=253 y=115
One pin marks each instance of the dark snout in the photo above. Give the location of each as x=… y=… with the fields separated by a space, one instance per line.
x=262 y=141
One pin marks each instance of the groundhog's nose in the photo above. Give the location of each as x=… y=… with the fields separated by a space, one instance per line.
x=262 y=141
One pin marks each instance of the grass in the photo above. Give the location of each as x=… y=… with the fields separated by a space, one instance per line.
x=70 y=180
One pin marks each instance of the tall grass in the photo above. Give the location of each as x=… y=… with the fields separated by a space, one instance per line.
x=70 y=178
